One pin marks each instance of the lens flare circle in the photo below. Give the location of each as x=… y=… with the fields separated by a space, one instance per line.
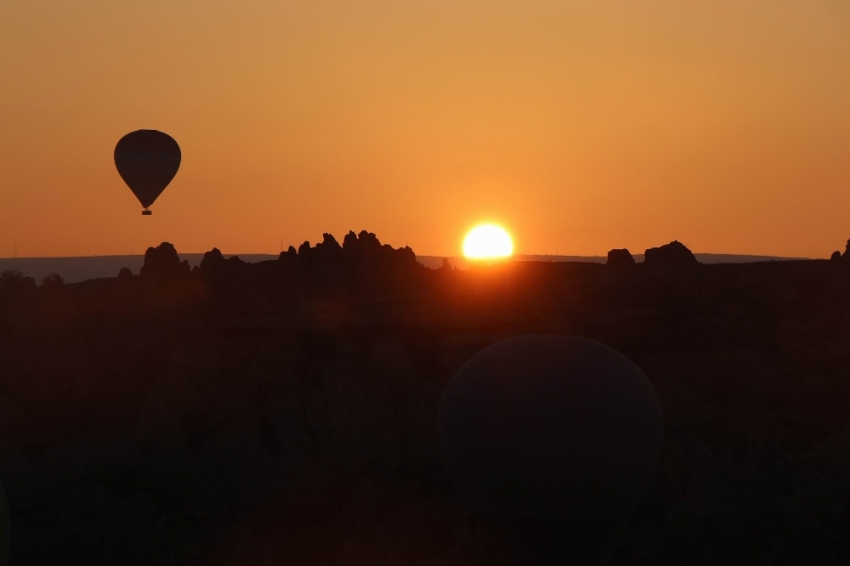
x=487 y=241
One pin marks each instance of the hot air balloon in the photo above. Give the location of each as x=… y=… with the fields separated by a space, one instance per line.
x=147 y=160
x=550 y=442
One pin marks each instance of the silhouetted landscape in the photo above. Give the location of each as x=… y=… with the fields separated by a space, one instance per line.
x=78 y=269
x=284 y=411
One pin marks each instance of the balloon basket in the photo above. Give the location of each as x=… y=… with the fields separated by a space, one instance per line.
x=146 y=213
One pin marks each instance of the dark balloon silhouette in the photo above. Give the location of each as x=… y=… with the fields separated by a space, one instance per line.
x=551 y=440
x=147 y=160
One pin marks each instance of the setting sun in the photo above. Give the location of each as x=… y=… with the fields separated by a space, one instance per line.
x=487 y=241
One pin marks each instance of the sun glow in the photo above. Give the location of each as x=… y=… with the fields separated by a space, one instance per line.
x=487 y=241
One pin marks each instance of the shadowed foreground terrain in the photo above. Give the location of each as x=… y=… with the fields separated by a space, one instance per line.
x=284 y=412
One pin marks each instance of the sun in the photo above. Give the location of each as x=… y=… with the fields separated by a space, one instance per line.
x=487 y=241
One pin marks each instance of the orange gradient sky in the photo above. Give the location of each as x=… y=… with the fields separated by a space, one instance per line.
x=580 y=126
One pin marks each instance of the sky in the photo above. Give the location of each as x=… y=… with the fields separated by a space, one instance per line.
x=580 y=126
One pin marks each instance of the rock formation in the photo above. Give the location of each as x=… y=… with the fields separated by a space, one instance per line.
x=162 y=263
x=670 y=256
x=620 y=259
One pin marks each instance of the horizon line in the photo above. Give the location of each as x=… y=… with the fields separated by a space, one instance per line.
x=455 y=256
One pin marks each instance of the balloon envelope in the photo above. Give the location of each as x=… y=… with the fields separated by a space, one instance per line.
x=552 y=440
x=147 y=160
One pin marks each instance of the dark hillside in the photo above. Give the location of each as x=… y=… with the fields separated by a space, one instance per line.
x=284 y=412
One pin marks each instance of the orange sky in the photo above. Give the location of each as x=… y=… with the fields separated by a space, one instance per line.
x=578 y=125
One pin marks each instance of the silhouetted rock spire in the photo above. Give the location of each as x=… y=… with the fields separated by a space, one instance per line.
x=620 y=259
x=329 y=243
x=162 y=262
x=212 y=260
x=672 y=255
